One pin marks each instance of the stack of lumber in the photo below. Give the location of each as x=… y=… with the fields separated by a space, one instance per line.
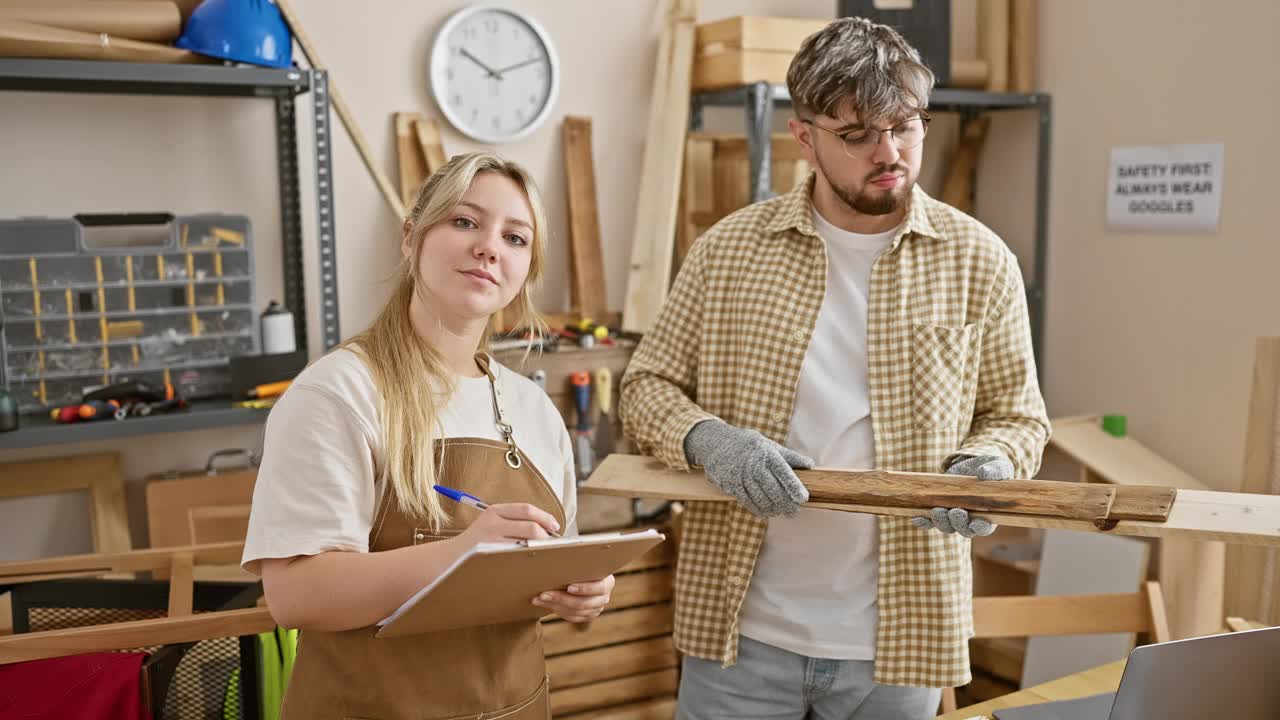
x=122 y=30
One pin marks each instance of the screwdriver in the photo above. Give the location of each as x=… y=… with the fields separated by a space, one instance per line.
x=582 y=400
x=604 y=426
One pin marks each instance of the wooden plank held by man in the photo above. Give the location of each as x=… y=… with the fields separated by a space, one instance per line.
x=1138 y=511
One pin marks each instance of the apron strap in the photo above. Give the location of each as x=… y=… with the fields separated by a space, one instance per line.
x=504 y=427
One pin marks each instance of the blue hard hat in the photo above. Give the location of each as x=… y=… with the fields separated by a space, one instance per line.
x=247 y=31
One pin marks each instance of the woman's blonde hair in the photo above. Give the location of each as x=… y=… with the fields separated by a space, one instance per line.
x=412 y=379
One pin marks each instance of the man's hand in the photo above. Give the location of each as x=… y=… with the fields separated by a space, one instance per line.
x=749 y=466
x=957 y=520
x=580 y=602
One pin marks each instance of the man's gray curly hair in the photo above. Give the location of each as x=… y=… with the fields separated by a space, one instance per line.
x=857 y=64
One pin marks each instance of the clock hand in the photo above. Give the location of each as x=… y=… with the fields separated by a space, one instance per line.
x=519 y=65
x=488 y=70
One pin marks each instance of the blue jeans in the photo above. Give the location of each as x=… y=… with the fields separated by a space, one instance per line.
x=769 y=682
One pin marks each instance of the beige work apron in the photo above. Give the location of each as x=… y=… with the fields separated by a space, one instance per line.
x=483 y=673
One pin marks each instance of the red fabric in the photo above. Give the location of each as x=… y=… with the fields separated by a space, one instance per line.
x=80 y=687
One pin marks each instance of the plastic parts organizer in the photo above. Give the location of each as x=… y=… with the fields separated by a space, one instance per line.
x=98 y=299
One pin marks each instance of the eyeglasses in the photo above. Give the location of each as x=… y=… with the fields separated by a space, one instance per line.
x=862 y=142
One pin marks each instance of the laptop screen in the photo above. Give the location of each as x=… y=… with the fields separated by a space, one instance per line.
x=1236 y=675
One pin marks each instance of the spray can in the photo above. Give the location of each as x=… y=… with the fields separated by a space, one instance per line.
x=8 y=411
x=539 y=378
x=277 y=330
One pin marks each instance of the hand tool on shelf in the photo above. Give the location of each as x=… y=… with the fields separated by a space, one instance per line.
x=132 y=390
x=582 y=401
x=604 y=442
x=268 y=390
x=86 y=411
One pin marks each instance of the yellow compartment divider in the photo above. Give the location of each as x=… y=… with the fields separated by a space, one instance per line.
x=102 y=322
x=35 y=297
x=133 y=304
x=191 y=291
x=128 y=273
x=35 y=301
x=71 y=317
x=217 y=270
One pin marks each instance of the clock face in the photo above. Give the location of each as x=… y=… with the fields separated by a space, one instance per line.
x=494 y=74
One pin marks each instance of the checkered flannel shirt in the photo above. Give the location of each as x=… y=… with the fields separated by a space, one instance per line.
x=950 y=371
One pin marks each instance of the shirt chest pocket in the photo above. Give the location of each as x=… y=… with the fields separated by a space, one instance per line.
x=944 y=374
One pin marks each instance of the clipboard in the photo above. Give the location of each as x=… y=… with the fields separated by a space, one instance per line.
x=496 y=582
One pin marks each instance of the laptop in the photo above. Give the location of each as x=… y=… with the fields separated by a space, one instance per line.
x=1236 y=676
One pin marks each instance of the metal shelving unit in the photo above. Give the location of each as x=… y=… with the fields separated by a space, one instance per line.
x=760 y=99
x=281 y=86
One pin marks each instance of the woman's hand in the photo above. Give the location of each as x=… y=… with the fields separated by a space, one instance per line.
x=580 y=602
x=508 y=522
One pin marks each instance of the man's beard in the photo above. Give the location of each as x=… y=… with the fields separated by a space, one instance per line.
x=874 y=202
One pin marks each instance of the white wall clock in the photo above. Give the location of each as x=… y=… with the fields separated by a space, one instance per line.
x=494 y=73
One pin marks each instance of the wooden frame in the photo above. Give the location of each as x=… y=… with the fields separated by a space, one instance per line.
x=1029 y=615
x=1191 y=572
x=1040 y=615
x=180 y=626
x=202 y=510
x=98 y=474
x=180 y=510
x=12 y=573
x=1198 y=514
x=134 y=634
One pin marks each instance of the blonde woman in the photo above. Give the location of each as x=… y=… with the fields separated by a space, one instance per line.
x=345 y=525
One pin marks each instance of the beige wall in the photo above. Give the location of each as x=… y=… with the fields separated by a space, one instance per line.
x=1160 y=327
x=1157 y=327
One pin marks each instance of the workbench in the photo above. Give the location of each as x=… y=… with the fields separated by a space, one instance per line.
x=1104 y=678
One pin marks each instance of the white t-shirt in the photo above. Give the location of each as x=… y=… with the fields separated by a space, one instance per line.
x=318 y=487
x=813 y=591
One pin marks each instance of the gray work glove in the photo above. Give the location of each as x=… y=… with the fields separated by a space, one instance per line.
x=749 y=466
x=957 y=520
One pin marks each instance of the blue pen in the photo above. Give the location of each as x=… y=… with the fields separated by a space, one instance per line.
x=463 y=498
